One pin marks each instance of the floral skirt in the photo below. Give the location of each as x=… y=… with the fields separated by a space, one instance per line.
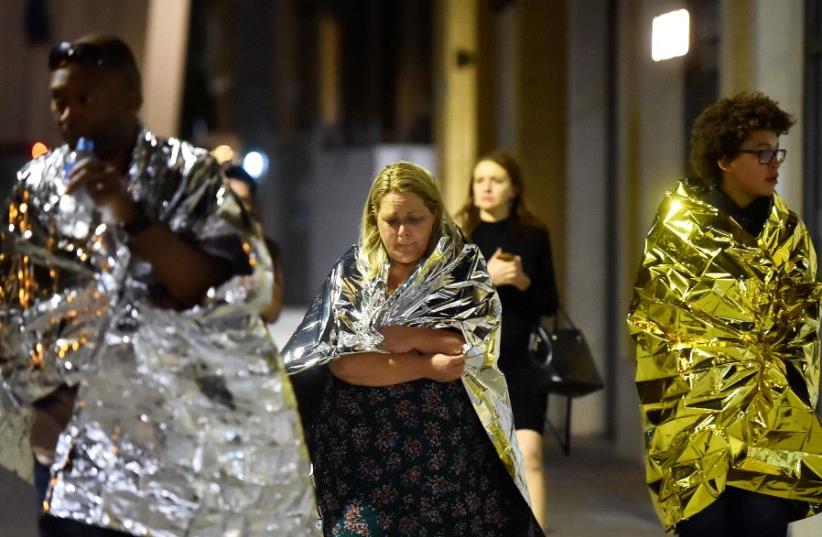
x=411 y=459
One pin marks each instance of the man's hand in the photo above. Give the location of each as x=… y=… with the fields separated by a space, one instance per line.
x=445 y=367
x=105 y=186
x=186 y=271
x=506 y=269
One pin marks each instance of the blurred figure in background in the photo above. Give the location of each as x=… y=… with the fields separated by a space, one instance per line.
x=725 y=316
x=245 y=187
x=516 y=245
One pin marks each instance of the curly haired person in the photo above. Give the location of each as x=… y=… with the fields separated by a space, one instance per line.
x=725 y=316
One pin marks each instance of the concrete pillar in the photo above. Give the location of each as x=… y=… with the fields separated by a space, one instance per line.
x=164 y=64
x=328 y=64
x=736 y=46
x=540 y=115
x=585 y=199
x=456 y=96
x=778 y=68
x=651 y=161
x=26 y=117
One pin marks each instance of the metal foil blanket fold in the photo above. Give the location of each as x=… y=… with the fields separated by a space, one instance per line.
x=727 y=357
x=185 y=422
x=449 y=289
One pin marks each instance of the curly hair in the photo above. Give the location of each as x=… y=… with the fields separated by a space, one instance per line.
x=722 y=128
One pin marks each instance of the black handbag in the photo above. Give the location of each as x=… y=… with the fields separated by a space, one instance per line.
x=564 y=358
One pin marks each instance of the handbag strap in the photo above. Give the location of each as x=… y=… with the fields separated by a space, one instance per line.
x=562 y=313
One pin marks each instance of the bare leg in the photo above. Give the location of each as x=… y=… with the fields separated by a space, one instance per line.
x=530 y=443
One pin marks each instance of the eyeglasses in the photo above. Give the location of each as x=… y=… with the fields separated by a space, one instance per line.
x=766 y=156
x=90 y=54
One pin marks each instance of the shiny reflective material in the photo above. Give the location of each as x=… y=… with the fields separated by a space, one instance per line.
x=185 y=422
x=727 y=359
x=450 y=289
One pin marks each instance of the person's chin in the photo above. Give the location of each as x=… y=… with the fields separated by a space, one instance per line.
x=406 y=258
x=769 y=188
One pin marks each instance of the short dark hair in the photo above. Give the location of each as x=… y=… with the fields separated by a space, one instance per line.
x=238 y=173
x=98 y=50
x=720 y=130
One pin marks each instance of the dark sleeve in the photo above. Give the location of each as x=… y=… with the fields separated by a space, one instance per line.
x=229 y=249
x=543 y=291
x=219 y=236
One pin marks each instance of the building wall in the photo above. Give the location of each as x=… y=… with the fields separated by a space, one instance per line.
x=585 y=198
x=651 y=160
x=25 y=80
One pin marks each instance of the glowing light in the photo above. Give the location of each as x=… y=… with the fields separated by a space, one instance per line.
x=670 y=35
x=39 y=148
x=223 y=153
x=255 y=163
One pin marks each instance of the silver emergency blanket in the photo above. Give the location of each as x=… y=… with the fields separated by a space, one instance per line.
x=449 y=289
x=185 y=422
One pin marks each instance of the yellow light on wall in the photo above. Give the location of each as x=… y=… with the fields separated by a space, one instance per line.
x=670 y=34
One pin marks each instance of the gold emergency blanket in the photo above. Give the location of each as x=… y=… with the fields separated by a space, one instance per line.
x=727 y=357
x=185 y=423
x=450 y=289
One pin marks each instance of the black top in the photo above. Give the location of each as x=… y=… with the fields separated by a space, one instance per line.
x=752 y=218
x=521 y=310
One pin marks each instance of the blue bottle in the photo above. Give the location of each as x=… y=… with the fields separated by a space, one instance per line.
x=83 y=149
x=78 y=209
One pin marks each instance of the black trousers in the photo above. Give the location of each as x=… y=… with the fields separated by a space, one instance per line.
x=49 y=526
x=738 y=512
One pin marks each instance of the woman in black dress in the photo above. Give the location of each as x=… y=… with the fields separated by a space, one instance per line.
x=518 y=251
x=413 y=433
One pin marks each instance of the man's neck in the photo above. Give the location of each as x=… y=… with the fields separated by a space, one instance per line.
x=742 y=199
x=120 y=151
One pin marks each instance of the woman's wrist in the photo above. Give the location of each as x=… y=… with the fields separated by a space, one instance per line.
x=434 y=340
x=421 y=365
x=409 y=366
x=524 y=282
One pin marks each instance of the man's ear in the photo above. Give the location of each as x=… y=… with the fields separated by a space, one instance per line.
x=724 y=165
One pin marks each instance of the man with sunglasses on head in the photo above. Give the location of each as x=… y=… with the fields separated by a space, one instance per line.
x=159 y=406
x=725 y=317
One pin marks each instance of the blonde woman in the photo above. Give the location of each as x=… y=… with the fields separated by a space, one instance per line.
x=413 y=435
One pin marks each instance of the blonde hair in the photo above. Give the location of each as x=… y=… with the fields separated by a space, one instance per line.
x=400 y=177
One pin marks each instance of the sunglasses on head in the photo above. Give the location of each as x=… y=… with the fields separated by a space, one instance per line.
x=89 y=54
